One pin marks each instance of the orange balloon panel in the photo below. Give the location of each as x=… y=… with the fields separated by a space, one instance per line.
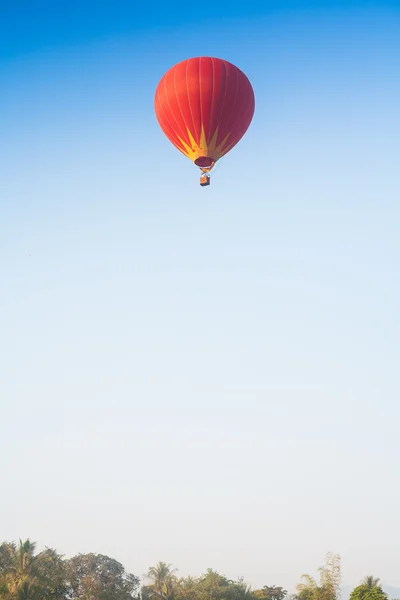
x=204 y=106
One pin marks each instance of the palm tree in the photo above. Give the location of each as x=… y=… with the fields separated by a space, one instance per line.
x=370 y=582
x=163 y=580
x=19 y=581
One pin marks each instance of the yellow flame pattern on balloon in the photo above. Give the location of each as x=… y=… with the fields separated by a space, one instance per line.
x=195 y=150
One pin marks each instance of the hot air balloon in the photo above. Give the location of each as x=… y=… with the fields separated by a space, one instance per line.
x=204 y=106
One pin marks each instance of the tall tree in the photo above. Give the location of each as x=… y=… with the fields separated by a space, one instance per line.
x=51 y=573
x=329 y=585
x=18 y=578
x=330 y=577
x=26 y=576
x=164 y=580
x=99 y=577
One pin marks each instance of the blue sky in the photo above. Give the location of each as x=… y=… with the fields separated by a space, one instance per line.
x=203 y=376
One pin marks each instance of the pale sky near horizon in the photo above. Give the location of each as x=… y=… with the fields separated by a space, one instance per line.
x=203 y=376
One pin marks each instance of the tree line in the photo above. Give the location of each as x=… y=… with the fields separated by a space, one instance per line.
x=47 y=575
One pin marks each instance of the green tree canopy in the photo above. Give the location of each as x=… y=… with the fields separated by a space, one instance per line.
x=99 y=577
x=270 y=593
x=212 y=586
x=26 y=576
x=368 y=590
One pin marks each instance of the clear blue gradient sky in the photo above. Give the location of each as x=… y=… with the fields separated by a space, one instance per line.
x=208 y=377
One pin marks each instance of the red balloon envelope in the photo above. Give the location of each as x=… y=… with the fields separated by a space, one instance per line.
x=204 y=106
